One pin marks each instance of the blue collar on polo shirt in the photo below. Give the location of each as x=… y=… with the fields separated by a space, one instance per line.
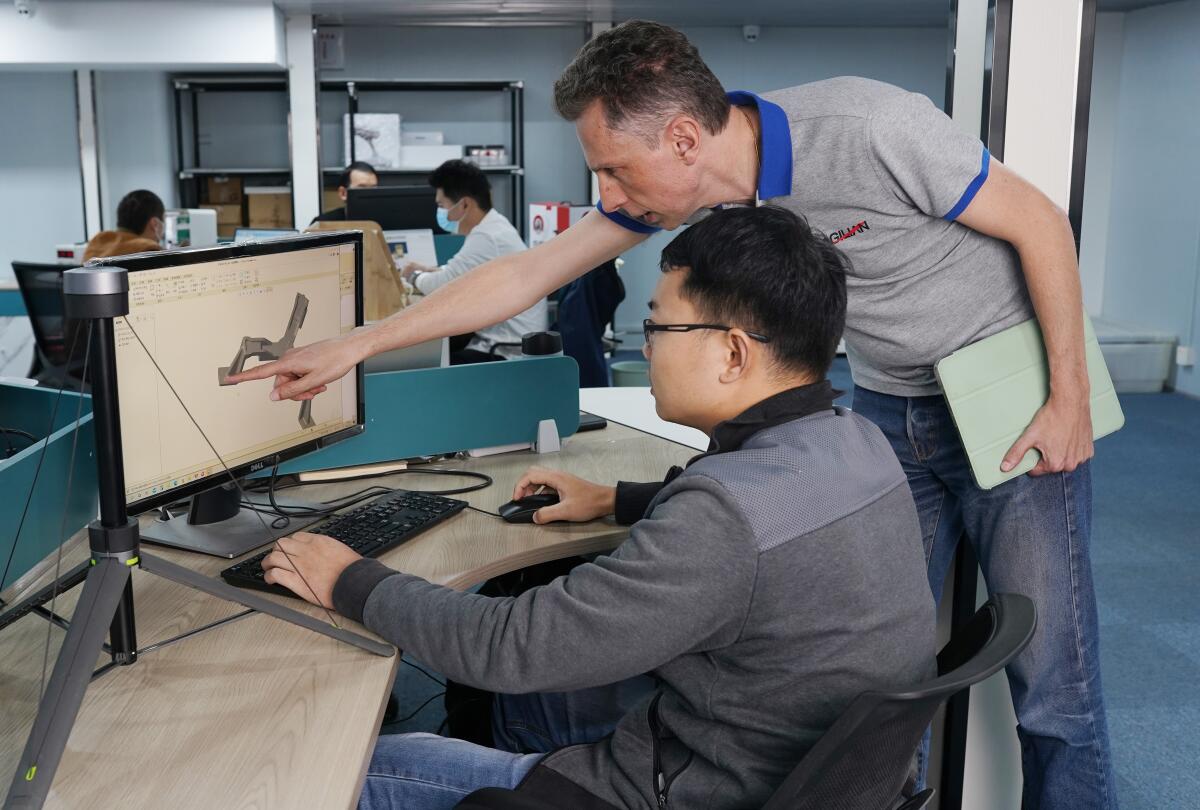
x=775 y=167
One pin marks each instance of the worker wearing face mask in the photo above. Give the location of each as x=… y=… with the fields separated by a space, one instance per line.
x=140 y=227
x=464 y=207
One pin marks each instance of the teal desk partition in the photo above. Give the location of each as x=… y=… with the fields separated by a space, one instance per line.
x=11 y=304
x=442 y=410
x=28 y=409
x=446 y=245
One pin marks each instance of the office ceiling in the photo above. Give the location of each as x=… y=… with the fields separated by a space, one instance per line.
x=807 y=13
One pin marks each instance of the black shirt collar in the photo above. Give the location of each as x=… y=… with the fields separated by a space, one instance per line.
x=785 y=406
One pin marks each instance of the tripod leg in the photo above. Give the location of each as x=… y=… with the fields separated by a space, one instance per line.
x=215 y=587
x=64 y=693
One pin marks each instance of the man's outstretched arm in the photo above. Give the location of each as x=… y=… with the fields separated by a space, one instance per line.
x=493 y=292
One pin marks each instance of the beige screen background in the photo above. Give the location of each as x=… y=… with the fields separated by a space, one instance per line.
x=193 y=319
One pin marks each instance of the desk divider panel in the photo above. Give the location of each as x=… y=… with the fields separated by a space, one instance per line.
x=28 y=409
x=443 y=410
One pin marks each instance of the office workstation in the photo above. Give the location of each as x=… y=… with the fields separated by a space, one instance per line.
x=596 y=406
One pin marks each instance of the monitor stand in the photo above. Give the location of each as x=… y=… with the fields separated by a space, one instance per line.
x=216 y=524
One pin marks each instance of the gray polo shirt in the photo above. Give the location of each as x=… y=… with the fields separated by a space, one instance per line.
x=885 y=175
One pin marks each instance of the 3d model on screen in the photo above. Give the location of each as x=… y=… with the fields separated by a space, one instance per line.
x=265 y=349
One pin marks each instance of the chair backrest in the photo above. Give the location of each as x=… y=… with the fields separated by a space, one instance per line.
x=41 y=288
x=383 y=293
x=863 y=761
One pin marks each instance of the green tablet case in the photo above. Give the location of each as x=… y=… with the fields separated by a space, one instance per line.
x=995 y=387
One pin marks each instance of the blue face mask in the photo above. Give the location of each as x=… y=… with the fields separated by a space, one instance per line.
x=443 y=221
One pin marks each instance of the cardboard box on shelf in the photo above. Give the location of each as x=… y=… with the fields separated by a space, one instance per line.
x=549 y=218
x=376 y=139
x=269 y=206
x=330 y=200
x=227 y=214
x=226 y=231
x=223 y=190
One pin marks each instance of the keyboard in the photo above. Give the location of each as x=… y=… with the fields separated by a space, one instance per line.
x=371 y=529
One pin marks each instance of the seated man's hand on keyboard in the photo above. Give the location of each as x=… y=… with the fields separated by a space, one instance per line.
x=320 y=559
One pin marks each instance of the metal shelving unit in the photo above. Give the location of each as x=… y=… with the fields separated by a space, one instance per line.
x=187 y=90
x=516 y=93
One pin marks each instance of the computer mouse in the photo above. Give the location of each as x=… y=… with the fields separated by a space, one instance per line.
x=521 y=510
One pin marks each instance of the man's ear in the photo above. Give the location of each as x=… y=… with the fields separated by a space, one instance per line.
x=342 y=193
x=683 y=135
x=740 y=356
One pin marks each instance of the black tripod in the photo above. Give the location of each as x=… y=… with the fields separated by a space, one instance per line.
x=99 y=295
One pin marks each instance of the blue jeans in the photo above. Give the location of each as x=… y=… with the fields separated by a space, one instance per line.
x=428 y=772
x=1031 y=536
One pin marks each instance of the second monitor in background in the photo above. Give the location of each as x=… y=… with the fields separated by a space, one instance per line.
x=395 y=208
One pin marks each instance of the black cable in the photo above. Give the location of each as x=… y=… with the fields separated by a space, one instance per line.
x=408 y=717
x=438 y=681
x=484 y=511
x=335 y=505
x=9 y=450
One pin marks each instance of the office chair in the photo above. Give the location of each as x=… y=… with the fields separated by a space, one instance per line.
x=42 y=290
x=865 y=758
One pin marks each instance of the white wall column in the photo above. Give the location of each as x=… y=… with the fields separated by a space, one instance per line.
x=89 y=160
x=1038 y=136
x=1043 y=76
x=303 y=126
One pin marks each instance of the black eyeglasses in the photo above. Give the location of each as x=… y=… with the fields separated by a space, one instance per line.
x=649 y=327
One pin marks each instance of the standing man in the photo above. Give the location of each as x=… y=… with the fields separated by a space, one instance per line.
x=948 y=246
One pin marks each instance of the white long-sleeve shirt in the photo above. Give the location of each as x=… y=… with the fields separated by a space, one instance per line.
x=493 y=237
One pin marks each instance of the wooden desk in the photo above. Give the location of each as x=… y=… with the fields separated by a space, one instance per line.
x=257 y=713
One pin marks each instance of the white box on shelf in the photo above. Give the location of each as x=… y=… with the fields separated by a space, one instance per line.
x=422 y=138
x=376 y=139
x=428 y=156
x=549 y=218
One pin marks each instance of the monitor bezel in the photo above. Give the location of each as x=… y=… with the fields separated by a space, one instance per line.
x=158 y=260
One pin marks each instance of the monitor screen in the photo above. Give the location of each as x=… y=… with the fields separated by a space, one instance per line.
x=395 y=208
x=255 y=234
x=204 y=314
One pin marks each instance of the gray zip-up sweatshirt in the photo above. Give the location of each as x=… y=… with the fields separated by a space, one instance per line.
x=766 y=588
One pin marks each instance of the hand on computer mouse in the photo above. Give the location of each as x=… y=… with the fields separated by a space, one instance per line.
x=578 y=500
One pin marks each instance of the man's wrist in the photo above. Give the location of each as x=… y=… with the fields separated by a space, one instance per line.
x=606 y=501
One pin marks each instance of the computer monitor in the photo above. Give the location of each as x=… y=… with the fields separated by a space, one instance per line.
x=204 y=314
x=395 y=208
x=41 y=288
x=241 y=235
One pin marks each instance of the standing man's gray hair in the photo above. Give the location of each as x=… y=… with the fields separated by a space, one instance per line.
x=642 y=72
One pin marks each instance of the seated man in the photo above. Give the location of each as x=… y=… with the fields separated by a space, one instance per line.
x=464 y=199
x=140 y=227
x=358 y=174
x=764 y=587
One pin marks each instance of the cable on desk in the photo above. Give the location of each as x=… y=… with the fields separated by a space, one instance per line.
x=483 y=511
x=330 y=507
